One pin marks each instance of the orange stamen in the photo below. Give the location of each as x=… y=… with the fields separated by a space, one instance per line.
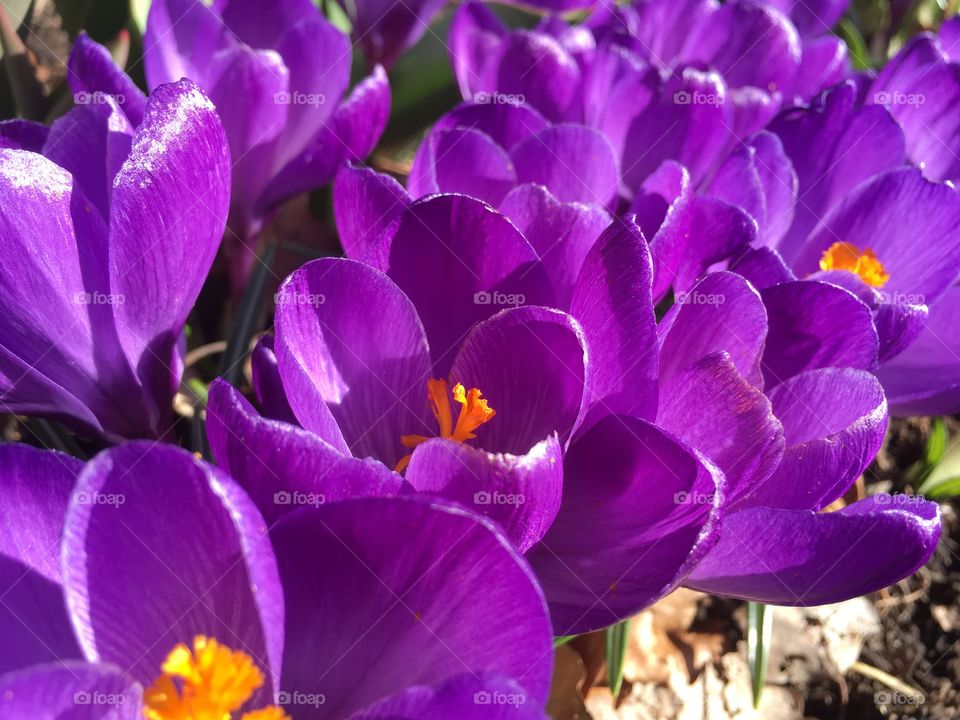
x=865 y=265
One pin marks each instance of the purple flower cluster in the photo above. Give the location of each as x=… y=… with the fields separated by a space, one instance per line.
x=636 y=319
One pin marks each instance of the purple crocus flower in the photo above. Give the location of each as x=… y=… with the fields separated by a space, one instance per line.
x=921 y=86
x=385 y=30
x=277 y=79
x=733 y=359
x=750 y=376
x=662 y=80
x=834 y=201
x=146 y=583
x=108 y=232
x=443 y=358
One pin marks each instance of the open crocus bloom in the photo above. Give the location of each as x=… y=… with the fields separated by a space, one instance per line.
x=277 y=80
x=835 y=202
x=649 y=421
x=108 y=232
x=795 y=355
x=147 y=584
x=453 y=337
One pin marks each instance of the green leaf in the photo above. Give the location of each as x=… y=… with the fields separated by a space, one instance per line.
x=859 y=54
x=562 y=640
x=616 y=646
x=937 y=442
x=199 y=388
x=759 y=625
x=943 y=480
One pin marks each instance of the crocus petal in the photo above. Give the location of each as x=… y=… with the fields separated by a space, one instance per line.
x=519 y=492
x=167 y=217
x=160 y=547
x=58 y=356
x=506 y=123
x=834 y=420
x=91 y=142
x=574 y=163
x=561 y=233
x=689 y=123
x=763 y=267
x=351 y=347
x=874 y=215
x=180 y=41
x=799 y=557
x=815 y=325
x=722 y=313
x=282 y=466
x=531 y=365
x=362 y=116
x=833 y=145
x=712 y=408
x=35 y=489
x=248 y=90
x=475 y=37
x=462 y=160
x=812 y=17
x=23 y=135
x=759 y=178
x=92 y=73
x=404 y=633
x=367 y=206
x=696 y=233
x=267 y=383
x=919 y=86
x=318 y=57
x=466 y=697
x=535 y=68
x=823 y=64
x=925 y=378
x=247 y=20
x=74 y=690
x=750 y=44
x=385 y=30
x=460 y=262
x=949 y=33
x=350 y=135
x=614 y=306
x=650 y=505
x=898 y=316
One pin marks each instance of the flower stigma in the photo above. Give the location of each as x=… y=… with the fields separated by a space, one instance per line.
x=474 y=412
x=865 y=265
x=209 y=682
